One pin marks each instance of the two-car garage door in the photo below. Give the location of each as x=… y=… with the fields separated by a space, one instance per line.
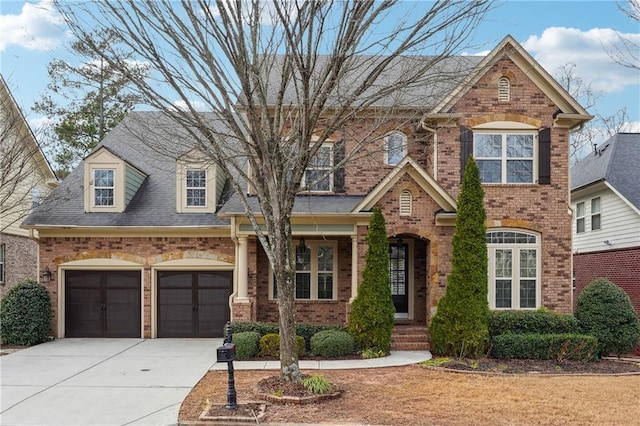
x=109 y=303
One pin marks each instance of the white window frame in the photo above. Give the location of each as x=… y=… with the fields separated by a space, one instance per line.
x=327 y=175
x=96 y=188
x=516 y=248
x=203 y=188
x=596 y=213
x=388 y=159
x=314 y=272
x=504 y=134
x=580 y=218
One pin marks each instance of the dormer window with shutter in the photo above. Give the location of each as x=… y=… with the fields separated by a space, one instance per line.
x=319 y=174
x=197 y=183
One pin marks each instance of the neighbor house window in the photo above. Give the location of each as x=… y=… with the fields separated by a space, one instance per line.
x=595 y=214
x=318 y=176
x=315 y=271
x=1 y=263
x=395 y=145
x=103 y=187
x=504 y=90
x=505 y=157
x=514 y=270
x=36 y=197
x=580 y=217
x=196 y=186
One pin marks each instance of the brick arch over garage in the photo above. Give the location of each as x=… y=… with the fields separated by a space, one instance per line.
x=190 y=255
x=102 y=254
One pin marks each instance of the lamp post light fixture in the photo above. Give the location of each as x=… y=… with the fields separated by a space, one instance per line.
x=46 y=275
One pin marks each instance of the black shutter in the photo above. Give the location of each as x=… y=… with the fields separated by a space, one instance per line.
x=338 y=174
x=544 y=156
x=466 y=148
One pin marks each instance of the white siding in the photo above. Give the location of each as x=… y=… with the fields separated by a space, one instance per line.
x=620 y=224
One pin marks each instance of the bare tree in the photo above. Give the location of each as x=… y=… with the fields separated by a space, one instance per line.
x=601 y=127
x=22 y=182
x=626 y=52
x=284 y=77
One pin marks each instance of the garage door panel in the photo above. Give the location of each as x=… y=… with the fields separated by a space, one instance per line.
x=102 y=304
x=193 y=303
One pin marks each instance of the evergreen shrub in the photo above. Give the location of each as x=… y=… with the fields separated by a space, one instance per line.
x=540 y=321
x=25 y=314
x=270 y=345
x=247 y=344
x=605 y=311
x=332 y=344
x=576 y=347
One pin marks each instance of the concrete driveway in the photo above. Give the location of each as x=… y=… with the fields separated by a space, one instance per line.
x=102 y=381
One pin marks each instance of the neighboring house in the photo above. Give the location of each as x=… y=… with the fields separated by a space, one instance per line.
x=605 y=197
x=150 y=243
x=25 y=178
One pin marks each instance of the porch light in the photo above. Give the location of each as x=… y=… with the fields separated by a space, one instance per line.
x=46 y=275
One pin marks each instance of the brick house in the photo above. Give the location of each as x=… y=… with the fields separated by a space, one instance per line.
x=605 y=197
x=26 y=177
x=134 y=255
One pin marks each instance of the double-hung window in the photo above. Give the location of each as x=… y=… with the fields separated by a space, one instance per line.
x=319 y=177
x=196 y=186
x=514 y=270
x=506 y=157
x=103 y=187
x=595 y=214
x=580 y=217
x=395 y=145
x=315 y=271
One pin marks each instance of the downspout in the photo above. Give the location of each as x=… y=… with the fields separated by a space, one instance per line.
x=236 y=244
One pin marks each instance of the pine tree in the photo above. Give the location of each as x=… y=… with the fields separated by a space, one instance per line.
x=372 y=312
x=460 y=326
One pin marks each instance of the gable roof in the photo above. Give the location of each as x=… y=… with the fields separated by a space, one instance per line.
x=570 y=109
x=614 y=162
x=150 y=142
x=417 y=173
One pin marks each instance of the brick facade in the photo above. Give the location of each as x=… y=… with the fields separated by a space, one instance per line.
x=20 y=260
x=621 y=267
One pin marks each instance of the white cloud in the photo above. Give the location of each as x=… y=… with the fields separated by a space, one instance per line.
x=197 y=105
x=558 y=46
x=37 y=27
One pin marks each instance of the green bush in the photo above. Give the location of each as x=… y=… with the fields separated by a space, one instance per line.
x=317 y=384
x=25 y=314
x=605 y=311
x=270 y=345
x=307 y=331
x=261 y=328
x=540 y=321
x=576 y=347
x=332 y=344
x=247 y=344
x=372 y=312
x=460 y=325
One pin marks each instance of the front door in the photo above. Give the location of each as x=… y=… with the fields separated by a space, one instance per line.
x=399 y=276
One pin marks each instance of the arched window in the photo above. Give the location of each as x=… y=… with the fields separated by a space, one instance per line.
x=504 y=90
x=514 y=269
x=406 y=201
x=395 y=148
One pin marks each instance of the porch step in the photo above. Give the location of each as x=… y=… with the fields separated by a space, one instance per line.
x=409 y=338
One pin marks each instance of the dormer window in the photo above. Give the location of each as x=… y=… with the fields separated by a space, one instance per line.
x=103 y=187
x=395 y=148
x=504 y=90
x=196 y=188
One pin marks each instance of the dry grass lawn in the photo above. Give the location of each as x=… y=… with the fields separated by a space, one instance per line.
x=415 y=395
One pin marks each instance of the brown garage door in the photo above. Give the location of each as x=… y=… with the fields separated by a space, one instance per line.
x=193 y=303
x=102 y=304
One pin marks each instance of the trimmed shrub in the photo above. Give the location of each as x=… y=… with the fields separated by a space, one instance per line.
x=605 y=311
x=576 y=347
x=372 y=312
x=540 y=321
x=247 y=344
x=25 y=314
x=308 y=331
x=261 y=328
x=332 y=344
x=460 y=326
x=270 y=345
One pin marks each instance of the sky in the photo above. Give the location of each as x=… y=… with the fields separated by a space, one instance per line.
x=555 y=33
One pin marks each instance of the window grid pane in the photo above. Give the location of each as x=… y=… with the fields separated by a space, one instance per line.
x=527 y=294
x=395 y=148
x=103 y=183
x=503 y=293
x=325 y=285
x=505 y=158
x=303 y=285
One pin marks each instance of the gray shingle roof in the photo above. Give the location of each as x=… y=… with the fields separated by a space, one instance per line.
x=616 y=161
x=304 y=204
x=155 y=202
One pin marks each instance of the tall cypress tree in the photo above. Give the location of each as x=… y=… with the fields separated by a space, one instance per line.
x=460 y=326
x=372 y=312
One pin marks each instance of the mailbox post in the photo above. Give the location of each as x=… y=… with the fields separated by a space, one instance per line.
x=227 y=353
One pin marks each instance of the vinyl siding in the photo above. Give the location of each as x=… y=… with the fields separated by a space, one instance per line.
x=133 y=180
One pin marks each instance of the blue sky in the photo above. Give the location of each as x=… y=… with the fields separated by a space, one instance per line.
x=553 y=32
